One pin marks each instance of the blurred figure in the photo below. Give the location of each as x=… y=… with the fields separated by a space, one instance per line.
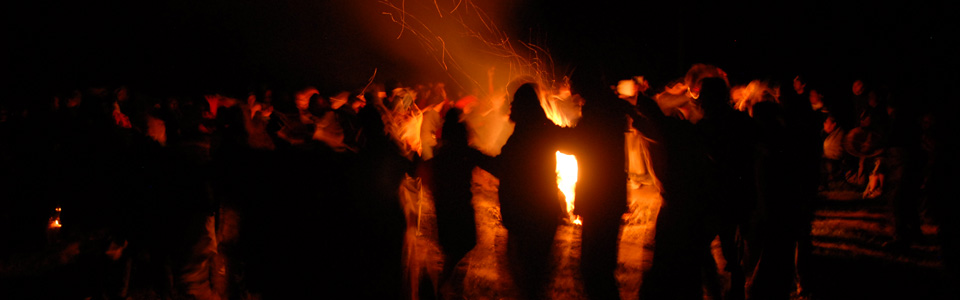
x=433 y=109
x=347 y=116
x=298 y=127
x=938 y=128
x=452 y=179
x=833 y=154
x=529 y=204
x=773 y=275
x=379 y=225
x=730 y=138
x=904 y=159
x=637 y=154
x=601 y=192
x=678 y=161
x=799 y=86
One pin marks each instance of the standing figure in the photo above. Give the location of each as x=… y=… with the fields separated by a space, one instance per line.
x=678 y=160
x=529 y=203
x=601 y=189
x=730 y=138
x=452 y=168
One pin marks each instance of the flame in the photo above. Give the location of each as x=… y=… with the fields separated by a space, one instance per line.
x=55 y=220
x=567 y=181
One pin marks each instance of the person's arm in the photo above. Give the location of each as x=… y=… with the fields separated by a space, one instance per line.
x=649 y=119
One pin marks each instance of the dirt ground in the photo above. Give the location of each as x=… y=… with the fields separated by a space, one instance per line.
x=849 y=260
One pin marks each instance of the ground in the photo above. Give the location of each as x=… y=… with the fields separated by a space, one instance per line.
x=848 y=262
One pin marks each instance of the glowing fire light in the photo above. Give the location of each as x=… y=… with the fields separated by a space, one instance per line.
x=55 y=220
x=567 y=181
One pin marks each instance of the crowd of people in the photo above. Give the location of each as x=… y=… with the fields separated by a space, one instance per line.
x=307 y=182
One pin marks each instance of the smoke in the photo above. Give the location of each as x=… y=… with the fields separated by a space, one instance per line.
x=480 y=60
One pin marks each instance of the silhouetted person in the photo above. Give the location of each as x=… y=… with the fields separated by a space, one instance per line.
x=380 y=224
x=804 y=148
x=679 y=162
x=904 y=161
x=939 y=127
x=730 y=137
x=773 y=276
x=529 y=203
x=601 y=195
x=452 y=176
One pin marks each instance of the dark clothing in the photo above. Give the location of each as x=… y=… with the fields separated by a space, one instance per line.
x=529 y=204
x=730 y=137
x=678 y=162
x=601 y=195
x=787 y=181
x=451 y=185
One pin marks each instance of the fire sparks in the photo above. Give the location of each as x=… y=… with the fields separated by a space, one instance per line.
x=567 y=181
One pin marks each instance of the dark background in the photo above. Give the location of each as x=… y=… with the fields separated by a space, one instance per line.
x=213 y=44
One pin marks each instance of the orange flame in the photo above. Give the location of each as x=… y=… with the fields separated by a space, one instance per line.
x=55 y=220
x=54 y=223
x=567 y=172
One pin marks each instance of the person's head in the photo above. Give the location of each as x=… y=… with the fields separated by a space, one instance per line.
x=816 y=99
x=358 y=102
x=172 y=104
x=829 y=125
x=268 y=96
x=642 y=84
x=768 y=115
x=122 y=94
x=251 y=98
x=627 y=88
x=872 y=99
x=74 y=99
x=928 y=121
x=799 y=85
x=858 y=87
x=440 y=90
x=714 y=95
x=866 y=119
x=318 y=103
x=525 y=107
x=454 y=131
x=302 y=98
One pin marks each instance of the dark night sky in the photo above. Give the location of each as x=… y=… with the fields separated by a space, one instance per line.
x=214 y=43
